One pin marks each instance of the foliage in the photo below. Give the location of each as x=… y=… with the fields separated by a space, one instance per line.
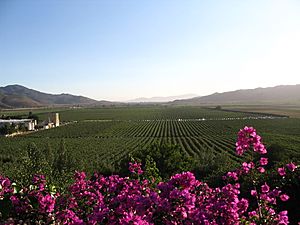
x=8 y=129
x=58 y=167
x=33 y=116
x=63 y=166
x=32 y=162
x=182 y=199
x=151 y=172
x=169 y=159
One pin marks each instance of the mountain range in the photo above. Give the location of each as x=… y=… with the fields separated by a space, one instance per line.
x=17 y=96
x=283 y=94
x=164 y=99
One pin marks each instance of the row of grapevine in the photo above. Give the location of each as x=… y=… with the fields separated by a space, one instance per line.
x=115 y=133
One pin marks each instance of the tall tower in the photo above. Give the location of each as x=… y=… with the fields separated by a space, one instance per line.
x=56 y=119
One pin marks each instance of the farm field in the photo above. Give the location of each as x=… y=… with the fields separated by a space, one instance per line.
x=151 y=112
x=98 y=135
x=292 y=111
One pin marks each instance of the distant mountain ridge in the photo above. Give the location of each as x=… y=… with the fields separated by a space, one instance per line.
x=164 y=99
x=17 y=96
x=283 y=94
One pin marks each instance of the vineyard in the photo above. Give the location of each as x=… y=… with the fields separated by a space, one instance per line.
x=135 y=113
x=94 y=136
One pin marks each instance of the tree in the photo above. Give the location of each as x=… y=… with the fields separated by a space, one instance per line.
x=33 y=116
x=151 y=171
x=7 y=129
x=63 y=166
x=33 y=162
x=169 y=159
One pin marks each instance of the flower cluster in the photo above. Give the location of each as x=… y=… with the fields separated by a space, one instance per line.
x=122 y=200
x=30 y=204
x=290 y=166
x=117 y=200
x=135 y=168
x=265 y=197
x=247 y=138
x=5 y=187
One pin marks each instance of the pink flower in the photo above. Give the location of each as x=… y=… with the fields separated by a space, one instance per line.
x=275 y=193
x=283 y=218
x=233 y=175
x=260 y=148
x=291 y=166
x=265 y=188
x=261 y=169
x=47 y=203
x=281 y=171
x=263 y=161
x=284 y=197
x=135 y=168
x=271 y=211
x=243 y=204
x=247 y=138
x=5 y=183
x=252 y=213
x=246 y=167
x=80 y=175
x=239 y=150
x=251 y=165
x=253 y=192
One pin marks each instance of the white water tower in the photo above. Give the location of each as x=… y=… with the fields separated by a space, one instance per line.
x=56 y=119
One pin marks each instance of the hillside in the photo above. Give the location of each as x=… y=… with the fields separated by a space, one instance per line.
x=283 y=94
x=17 y=96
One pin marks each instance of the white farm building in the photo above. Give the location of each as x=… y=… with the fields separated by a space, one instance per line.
x=28 y=123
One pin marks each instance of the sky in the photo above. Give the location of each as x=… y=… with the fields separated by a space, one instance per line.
x=124 y=49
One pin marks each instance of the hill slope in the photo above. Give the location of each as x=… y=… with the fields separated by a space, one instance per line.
x=17 y=96
x=283 y=94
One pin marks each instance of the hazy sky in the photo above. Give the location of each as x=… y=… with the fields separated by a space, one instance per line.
x=123 y=49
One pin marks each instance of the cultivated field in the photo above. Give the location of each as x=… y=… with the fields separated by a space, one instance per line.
x=292 y=111
x=98 y=135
